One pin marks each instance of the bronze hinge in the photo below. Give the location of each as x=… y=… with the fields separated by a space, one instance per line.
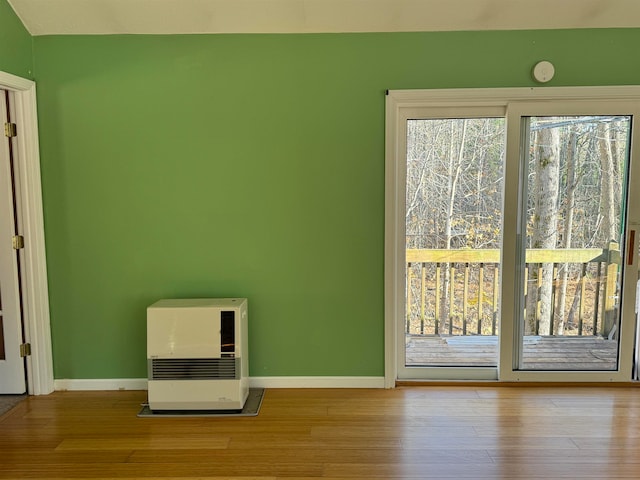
x=25 y=349
x=18 y=242
x=10 y=130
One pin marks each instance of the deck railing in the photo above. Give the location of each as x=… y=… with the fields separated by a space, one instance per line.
x=456 y=291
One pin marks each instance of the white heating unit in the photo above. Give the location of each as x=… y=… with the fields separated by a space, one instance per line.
x=197 y=354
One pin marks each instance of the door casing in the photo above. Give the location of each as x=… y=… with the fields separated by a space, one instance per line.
x=35 y=299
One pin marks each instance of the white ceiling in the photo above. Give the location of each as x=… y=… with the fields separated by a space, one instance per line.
x=51 y=17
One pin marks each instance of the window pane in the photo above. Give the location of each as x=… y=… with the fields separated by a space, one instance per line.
x=576 y=189
x=453 y=240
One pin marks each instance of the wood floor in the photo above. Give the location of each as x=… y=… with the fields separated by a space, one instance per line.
x=404 y=433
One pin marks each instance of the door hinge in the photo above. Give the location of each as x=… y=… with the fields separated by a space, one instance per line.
x=25 y=349
x=18 y=242
x=10 y=129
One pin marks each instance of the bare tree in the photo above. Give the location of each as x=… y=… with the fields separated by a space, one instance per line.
x=607 y=188
x=544 y=221
x=569 y=209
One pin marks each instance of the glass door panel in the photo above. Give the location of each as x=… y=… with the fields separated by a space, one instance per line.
x=453 y=215
x=575 y=191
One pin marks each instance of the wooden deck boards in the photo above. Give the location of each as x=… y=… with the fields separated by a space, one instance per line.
x=540 y=352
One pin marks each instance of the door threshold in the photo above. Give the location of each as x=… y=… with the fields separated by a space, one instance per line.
x=502 y=383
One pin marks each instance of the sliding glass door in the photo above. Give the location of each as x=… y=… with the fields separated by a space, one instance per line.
x=573 y=237
x=453 y=238
x=576 y=170
x=511 y=244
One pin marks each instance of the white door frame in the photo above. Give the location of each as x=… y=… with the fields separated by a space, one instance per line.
x=29 y=196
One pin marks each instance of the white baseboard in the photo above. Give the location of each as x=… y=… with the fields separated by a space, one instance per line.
x=316 y=382
x=256 y=382
x=100 y=384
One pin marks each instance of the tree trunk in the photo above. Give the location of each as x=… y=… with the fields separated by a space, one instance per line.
x=572 y=160
x=545 y=225
x=456 y=156
x=607 y=179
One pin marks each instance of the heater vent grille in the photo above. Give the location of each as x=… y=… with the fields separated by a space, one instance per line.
x=194 y=368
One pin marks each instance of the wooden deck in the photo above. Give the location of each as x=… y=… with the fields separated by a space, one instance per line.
x=540 y=352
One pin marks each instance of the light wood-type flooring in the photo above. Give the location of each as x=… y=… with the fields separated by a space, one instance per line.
x=411 y=432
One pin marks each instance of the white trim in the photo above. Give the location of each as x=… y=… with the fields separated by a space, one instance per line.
x=101 y=384
x=447 y=374
x=317 y=382
x=458 y=97
x=13 y=82
x=36 y=295
x=393 y=306
x=255 y=382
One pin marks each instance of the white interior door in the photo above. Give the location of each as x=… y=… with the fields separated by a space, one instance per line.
x=12 y=369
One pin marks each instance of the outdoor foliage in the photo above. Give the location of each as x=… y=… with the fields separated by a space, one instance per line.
x=573 y=195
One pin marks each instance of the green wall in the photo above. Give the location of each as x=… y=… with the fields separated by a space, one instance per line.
x=15 y=44
x=247 y=165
